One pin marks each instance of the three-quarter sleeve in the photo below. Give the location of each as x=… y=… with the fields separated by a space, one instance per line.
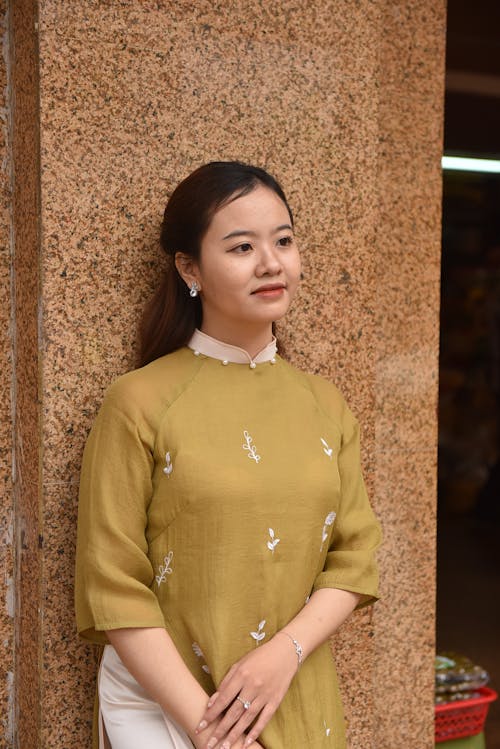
x=113 y=572
x=350 y=562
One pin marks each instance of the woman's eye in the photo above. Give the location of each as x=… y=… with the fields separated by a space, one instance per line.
x=285 y=241
x=243 y=247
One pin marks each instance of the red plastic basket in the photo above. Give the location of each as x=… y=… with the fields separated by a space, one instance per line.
x=456 y=720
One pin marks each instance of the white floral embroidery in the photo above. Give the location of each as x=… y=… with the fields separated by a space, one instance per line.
x=164 y=569
x=326 y=449
x=330 y=518
x=273 y=542
x=259 y=635
x=327 y=730
x=252 y=450
x=168 y=467
x=199 y=652
x=328 y=521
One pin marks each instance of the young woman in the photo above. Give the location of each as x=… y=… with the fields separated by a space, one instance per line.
x=224 y=530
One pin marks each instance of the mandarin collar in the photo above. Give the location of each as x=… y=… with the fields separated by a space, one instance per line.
x=201 y=343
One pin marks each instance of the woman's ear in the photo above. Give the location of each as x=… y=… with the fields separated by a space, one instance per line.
x=187 y=268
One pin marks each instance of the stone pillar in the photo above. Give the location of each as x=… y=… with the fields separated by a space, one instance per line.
x=6 y=424
x=107 y=106
x=407 y=298
x=23 y=504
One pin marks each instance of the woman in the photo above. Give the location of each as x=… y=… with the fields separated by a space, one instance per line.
x=224 y=529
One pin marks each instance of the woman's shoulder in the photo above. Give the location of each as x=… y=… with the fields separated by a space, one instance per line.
x=327 y=394
x=152 y=387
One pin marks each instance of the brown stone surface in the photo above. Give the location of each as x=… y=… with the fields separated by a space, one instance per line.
x=7 y=604
x=404 y=623
x=115 y=142
x=343 y=102
x=407 y=323
x=26 y=299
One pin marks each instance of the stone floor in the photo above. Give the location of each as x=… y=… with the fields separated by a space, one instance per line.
x=468 y=601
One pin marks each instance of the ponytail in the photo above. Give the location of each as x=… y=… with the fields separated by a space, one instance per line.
x=169 y=319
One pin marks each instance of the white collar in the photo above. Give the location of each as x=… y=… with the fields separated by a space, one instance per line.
x=201 y=343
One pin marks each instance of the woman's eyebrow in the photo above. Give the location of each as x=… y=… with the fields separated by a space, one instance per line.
x=248 y=233
x=240 y=233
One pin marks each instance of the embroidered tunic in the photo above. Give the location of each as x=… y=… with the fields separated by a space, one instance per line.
x=215 y=497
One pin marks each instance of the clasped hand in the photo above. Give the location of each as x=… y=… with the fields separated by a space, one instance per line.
x=261 y=678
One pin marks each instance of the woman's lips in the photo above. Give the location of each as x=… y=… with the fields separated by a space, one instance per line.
x=271 y=293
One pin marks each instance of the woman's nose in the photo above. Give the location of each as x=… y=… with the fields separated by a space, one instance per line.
x=269 y=261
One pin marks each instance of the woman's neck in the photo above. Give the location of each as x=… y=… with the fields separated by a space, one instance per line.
x=251 y=340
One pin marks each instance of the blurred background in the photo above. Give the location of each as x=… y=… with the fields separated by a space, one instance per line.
x=468 y=618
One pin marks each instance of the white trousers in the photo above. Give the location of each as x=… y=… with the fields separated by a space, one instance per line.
x=128 y=718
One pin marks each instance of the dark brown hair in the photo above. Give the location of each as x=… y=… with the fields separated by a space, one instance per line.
x=172 y=315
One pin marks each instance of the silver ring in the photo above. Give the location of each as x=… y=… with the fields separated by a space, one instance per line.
x=246 y=704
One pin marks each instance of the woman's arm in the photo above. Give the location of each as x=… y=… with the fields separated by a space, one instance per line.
x=153 y=660
x=264 y=674
x=323 y=614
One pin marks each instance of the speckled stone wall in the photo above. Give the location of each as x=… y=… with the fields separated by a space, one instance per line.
x=406 y=366
x=6 y=494
x=343 y=102
x=26 y=390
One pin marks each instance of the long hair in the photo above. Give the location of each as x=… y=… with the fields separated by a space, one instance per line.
x=172 y=315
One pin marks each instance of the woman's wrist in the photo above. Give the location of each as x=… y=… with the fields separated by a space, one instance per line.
x=288 y=649
x=295 y=645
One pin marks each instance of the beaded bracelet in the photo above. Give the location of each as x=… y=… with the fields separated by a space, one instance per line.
x=298 y=646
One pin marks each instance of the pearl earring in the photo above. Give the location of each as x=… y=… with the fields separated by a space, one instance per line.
x=194 y=289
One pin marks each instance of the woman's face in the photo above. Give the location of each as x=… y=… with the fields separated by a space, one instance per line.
x=249 y=266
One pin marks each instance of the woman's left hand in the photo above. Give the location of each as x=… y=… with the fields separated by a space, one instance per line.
x=261 y=677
